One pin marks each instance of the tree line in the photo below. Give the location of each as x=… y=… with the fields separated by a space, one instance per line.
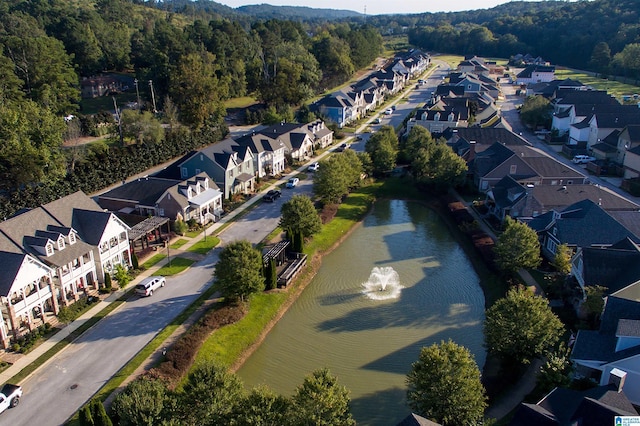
x=601 y=35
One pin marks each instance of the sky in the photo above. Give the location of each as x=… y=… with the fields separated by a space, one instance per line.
x=379 y=7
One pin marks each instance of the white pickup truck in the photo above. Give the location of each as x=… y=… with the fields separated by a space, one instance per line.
x=9 y=396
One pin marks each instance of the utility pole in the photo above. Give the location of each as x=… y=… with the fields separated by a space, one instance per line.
x=153 y=97
x=119 y=119
x=135 y=81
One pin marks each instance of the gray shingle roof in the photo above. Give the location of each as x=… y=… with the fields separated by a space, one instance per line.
x=558 y=197
x=628 y=328
x=143 y=191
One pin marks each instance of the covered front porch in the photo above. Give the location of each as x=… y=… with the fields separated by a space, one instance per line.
x=206 y=206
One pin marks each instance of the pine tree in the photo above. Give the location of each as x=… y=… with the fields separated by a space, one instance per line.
x=107 y=281
x=86 y=419
x=99 y=414
x=134 y=261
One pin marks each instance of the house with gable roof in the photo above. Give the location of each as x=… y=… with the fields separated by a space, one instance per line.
x=536 y=74
x=573 y=106
x=615 y=345
x=198 y=198
x=525 y=164
x=627 y=139
x=583 y=224
x=601 y=124
x=632 y=163
x=52 y=255
x=299 y=140
x=268 y=153
x=228 y=163
x=567 y=407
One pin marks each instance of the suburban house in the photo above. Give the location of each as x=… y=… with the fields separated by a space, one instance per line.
x=614 y=267
x=565 y=407
x=300 y=139
x=536 y=74
x=338 y=108
x=573 y=106
x=474 y=65
x=509 y=198
x=601 y=124
x=51 y=256
x=632 y=163
x=269 y=159
x=228 y=163
x=437 y=121
x=553 y=89
x=198 y=198
x=580 y=225
x=525 y=164
x=628 y=138
x=614 y=349
x=466 y=142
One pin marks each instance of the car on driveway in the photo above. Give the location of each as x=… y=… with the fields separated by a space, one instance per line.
x=271 y=196
x=314 y=167
x=292 y=182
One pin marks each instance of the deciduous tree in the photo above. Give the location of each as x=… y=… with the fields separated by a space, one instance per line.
x=444 y=385
x=300 y=215
x=521 y=326
x=562 y=259
x=238 y=273
x=536 y=111
x=143 y=402
x=321 y=401
x=382 y=146
x=517 y=247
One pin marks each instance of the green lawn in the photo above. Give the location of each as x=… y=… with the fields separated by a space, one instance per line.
x=242 y=102
x=452 y=60
x=179 y=243
x=226 y=344
x=175 y=266
x=204 y=246
x=615 y=88
x=152 y=261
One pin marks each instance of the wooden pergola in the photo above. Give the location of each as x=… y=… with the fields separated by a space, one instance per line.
x=149 y=232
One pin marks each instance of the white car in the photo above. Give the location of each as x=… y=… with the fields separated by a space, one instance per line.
x=148 y=285
x=388 y=111
x=314 y=167
x=291 y=183
x=583 y=159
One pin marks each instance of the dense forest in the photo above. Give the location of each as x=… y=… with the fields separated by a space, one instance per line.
x=47 y=47
x=600 y=35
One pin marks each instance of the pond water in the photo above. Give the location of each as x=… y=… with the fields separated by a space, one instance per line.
x=398 y=283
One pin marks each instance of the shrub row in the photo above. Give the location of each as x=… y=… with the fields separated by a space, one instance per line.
x=24 y=343
x=182 y=355
x=106 y=165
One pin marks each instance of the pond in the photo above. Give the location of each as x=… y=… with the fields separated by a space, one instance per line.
x=398 y=283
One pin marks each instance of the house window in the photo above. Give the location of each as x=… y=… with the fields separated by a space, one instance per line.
x=161 y=212
x=72 y=238
x=569 y=182
x=49 y=249
x=513 y=169
x=184 y=172
x=551 y=246
x=230 y=174
x=60 y=243
x=198 y=171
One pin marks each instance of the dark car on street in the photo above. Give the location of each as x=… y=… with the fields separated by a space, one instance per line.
x=271 y=196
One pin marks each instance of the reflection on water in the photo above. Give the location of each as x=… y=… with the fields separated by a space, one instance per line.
x=371 y=344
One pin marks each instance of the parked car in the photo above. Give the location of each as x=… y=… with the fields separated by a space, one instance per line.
x=421 y=81
x=314 y=167
x=293 y=182
x=377 y=120
x=388 y=111
x=148 y=285
x=9 y=396
x=271 y=196
x=583 y=159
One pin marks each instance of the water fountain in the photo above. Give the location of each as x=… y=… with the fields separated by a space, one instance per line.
x=383 y=284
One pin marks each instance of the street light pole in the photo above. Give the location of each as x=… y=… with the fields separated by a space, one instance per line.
x=135 y=81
